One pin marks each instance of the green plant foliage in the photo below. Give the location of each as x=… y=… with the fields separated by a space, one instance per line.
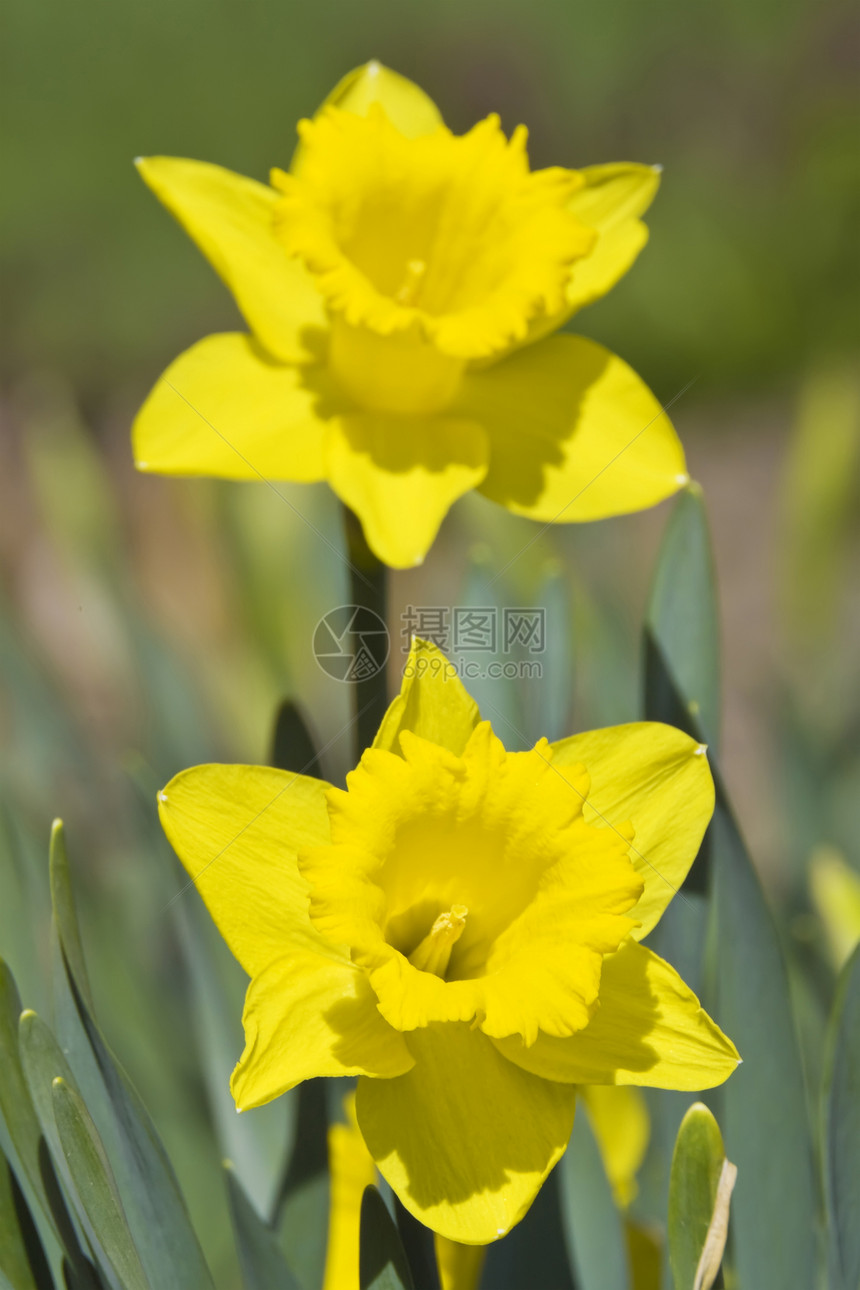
x=260 y=1257
x=22 y=1259
x=383 y=1263
x=699 y=1192
x=841 y=1129
x=593 y=1226
x=95 y=1184
x=155 y=1207
x=764 y=1108
x=682 y=620
x=304 y=1199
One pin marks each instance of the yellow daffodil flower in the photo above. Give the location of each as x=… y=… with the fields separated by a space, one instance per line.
x=460 y=928
x=400 y=284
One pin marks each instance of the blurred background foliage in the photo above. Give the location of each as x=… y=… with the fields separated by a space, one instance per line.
x=147 y=624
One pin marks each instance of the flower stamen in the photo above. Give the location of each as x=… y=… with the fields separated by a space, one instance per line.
x=434 y=952
x=408 y=292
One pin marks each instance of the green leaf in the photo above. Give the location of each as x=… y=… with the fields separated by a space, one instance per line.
x=700 y=1189
x=24 y=1129
x=841 y=1136
x=304 y=1199
x=153 y=1202
x=42 y=1061
x=682 y=621
x=95 y=1184
x=22 y=1259
x=381 y=1257
x=764 y=1115
x=260 y=1256
x=256 y=1143
x=65 y=916
x=293 y=748
x=593 y=1225
x=15 y=1102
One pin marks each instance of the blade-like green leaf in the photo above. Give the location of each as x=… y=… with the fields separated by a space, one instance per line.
x=65 y=915
x=24 y=1129
x=699 y=1191
x=304 y=1201
x=841 y=1136
x=293 y=748
x=95 y=1184
x=592 y=1222
x=260 y=1256
x=42 y=1062
x=764 y=1115
x=15 y=1102
x=381 y=1257
x=153 y=1202
x=22 y=1259
x=256 y=1143
x=682 y=617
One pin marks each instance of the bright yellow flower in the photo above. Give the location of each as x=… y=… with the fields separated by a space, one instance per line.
x=460 y=928
x=400 y=284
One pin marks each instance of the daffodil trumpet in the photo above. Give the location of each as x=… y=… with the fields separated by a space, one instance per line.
x=401 y=285
x=460 y=928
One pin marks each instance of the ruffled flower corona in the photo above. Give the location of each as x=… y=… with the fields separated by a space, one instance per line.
x=401 y=284
x=460 y=928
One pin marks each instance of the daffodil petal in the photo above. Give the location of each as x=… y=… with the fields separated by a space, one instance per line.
x=236 y=830
x=224 y=409
x=649 y=1029
x=407 y=107
x=432 y=703
x=401 y=475
x=657 y=778
x=574 y=433
x=612 y=200
x=466 y=1138
x=309 y=1013
x=230 y=219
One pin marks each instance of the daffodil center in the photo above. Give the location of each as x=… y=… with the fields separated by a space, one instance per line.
x=434 y=952
x=449 y=237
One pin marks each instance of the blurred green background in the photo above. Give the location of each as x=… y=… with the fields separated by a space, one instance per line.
x=148 y=624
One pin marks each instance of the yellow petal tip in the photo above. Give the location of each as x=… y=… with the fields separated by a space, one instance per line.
x=700 y=750
x=658 y=168
x=161 y=795
x=682 y=480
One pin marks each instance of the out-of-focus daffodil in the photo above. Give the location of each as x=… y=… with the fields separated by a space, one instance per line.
x=619 y=1118
x=400 y=284
x=835 y=889
x=460 y=928
x=351 y=1169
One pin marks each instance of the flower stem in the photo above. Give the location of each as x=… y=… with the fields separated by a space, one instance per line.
x=369 y=591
